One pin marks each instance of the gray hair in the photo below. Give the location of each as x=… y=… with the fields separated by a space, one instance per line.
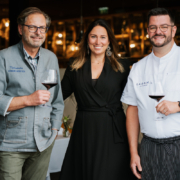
x=32 y=10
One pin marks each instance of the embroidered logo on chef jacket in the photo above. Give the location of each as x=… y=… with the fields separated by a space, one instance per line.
x=143 y=84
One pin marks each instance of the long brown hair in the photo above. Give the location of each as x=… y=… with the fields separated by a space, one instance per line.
x=82 y=54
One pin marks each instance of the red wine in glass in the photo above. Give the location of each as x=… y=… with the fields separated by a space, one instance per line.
x=49 y=85
x=156 y=97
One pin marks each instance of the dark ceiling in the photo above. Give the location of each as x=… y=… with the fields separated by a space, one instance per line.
x=65 y=9
x=62 y=9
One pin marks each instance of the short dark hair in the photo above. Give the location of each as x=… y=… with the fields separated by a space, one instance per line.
x=161 y=11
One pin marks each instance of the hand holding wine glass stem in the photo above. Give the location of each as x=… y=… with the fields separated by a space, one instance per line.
x=168 y=107
x=38 y=97
x=35 y=99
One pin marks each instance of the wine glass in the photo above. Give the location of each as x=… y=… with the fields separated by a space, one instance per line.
x=49 y=79
x=156 y=92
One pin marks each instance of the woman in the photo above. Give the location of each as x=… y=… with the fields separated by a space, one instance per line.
x=98 y=148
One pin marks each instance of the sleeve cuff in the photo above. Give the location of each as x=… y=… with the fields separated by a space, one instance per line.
x=56 y=124
x=129 y=102
x=5 y=102
x=6 y=113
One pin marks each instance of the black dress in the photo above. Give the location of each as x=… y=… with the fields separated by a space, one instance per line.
x=98 y=148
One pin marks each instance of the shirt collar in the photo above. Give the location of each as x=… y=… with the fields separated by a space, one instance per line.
x=167 y=56
x=29 y=57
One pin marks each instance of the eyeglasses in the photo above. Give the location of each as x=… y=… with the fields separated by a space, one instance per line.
x=163 y=28
x=32 y=28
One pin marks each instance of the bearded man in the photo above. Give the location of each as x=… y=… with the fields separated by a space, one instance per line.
x=159 y=120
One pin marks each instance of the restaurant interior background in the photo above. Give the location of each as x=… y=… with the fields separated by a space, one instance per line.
x=70 y=18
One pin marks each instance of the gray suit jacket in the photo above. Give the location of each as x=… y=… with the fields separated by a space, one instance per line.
x=29 y=128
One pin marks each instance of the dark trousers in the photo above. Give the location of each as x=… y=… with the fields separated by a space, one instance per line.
x=160 y=158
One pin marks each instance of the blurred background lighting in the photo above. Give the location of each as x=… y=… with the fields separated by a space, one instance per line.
x=72 y=48
x=7 y=24
x=60 y=35
x=58 y=42
x=132 y=45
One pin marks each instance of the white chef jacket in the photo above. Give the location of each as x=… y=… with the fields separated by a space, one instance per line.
x=150 y=70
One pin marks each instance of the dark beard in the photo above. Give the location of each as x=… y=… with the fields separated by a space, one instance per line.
x=169 y=38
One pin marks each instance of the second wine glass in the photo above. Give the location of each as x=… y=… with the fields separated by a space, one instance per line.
x=156 y=92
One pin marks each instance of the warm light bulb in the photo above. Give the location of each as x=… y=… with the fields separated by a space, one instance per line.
x=132 y=45
x=72 y=48
x=60 y=35
x=7 y=24
x=119 y=55
x=147 y=36
x=76 y=48
x=59 y=42
x=132 y=30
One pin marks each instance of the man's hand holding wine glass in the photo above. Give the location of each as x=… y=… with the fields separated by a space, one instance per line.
x=49 y=80
x=167 y=107
x=38 y=97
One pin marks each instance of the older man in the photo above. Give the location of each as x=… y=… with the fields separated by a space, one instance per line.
x=27 y=128
x=159 y=121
